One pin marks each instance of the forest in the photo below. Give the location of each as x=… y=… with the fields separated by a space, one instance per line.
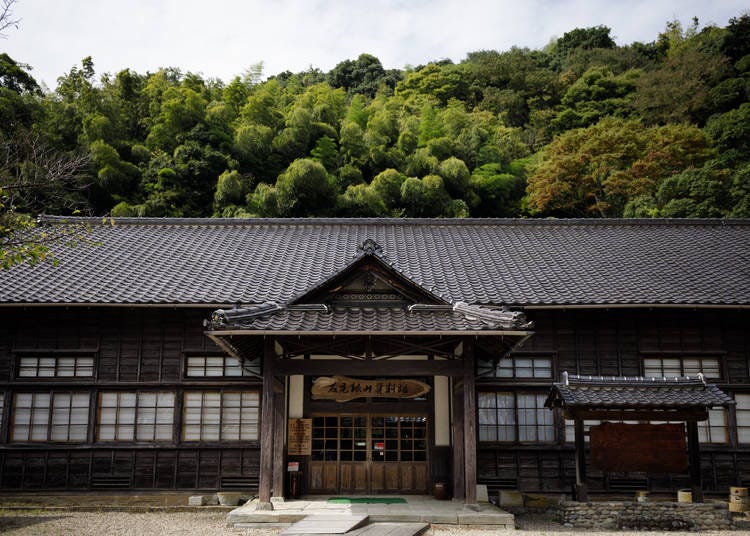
x=580 y=128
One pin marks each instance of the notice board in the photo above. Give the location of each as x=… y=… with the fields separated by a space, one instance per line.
x=653 y=448
x=299 y=437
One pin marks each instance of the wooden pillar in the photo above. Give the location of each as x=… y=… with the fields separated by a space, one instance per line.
x=582 y=492
x=265 y=484
x=470 y=426
x=694 y=461
x=458 y=439
x=278 y=439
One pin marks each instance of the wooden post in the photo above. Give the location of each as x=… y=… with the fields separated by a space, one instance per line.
x=582 y=492
x=278 y=440
x=266 y=430
x=470 y=426
x=694 y=461
x=458 y=439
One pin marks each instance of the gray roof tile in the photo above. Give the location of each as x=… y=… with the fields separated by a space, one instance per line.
x=636 y=393
x=514 y=262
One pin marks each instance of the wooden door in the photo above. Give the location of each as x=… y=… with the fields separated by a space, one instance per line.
x=369 y=454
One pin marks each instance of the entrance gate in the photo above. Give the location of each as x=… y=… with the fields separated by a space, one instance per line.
x=369 y=453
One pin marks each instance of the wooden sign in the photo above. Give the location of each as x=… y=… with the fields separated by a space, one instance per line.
x=299 y=437
x=653 y=448
x=343 y=389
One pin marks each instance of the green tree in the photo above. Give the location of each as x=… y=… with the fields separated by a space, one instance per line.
x=595 y=171
x=326 y=152
x=361 y=201
x=497 y=194
x=304 y=189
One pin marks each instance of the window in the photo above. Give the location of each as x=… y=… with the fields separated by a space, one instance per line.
x=136 y=416
x=55 y=367
x=743 y=417
x=214 y=366
x=714 y=430
x=221 y=416
x=514 y=417
x=660 y=367
x=50 y=417
x=517 y=367
x=570 y=429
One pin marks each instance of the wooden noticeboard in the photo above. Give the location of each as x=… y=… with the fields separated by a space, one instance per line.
x=653 y=448
x=299 y=437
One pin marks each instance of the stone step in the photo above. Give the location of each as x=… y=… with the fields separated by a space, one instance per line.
x=383 y=529
x=326 y=524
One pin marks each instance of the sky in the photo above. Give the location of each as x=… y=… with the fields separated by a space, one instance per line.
x=223 y=38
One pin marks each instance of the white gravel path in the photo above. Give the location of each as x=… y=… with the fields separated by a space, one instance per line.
x=42 y=523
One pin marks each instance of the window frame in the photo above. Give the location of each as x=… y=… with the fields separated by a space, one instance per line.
x=138 y=412
x=517 y=424
x=680 y=358
x=487 y=374
x=53 y=412
x=221 y=423
x=56 y=355
x=742 y=410
x=226 y=364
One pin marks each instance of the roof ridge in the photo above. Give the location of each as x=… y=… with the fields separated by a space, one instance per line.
x=563 y=222
x=642 y=380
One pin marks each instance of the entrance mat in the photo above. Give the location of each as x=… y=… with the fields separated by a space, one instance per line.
x=366 y=500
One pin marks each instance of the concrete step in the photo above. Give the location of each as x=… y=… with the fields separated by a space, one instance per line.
x=326 y=524
x=384 y=529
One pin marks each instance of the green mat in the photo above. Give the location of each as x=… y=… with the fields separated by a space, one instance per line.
x=366 y=500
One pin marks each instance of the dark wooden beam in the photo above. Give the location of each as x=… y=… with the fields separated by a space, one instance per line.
x=458 y=440
x=637 y=415
x=470 y=426
x=582 y=493
x=388 y=368
x=694 y=461
x=278 y=442
x=265 y=484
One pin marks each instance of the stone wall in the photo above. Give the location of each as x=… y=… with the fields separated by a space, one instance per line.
x=660 y=516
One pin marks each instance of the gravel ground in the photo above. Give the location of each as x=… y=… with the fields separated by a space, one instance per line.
x=41 y=523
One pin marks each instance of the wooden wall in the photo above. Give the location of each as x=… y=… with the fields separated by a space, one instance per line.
x=146 y=348
x=613 y=343
x=135 y=348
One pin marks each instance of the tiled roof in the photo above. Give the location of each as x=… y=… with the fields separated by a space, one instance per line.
x=513 y=262
x=636 y=393
x=320 y=318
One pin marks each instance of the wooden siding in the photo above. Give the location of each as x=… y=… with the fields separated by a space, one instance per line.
x=135 y=348
x=141 y=348
x=613 y=343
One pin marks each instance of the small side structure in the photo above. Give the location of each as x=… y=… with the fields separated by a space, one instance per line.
x=638 y=399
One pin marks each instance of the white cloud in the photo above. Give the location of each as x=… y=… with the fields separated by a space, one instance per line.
x=222 y=38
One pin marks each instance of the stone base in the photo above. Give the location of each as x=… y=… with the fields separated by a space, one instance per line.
x=659 y=516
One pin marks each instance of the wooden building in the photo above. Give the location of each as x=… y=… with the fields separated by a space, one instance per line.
x=372 y=355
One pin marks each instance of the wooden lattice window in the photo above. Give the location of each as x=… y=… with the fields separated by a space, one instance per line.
x=221 y=416
x=56 y=416
x=714 y=430
x=521 y=367
x=666 y=367
x=515 y=417
x=214 y=366
x=136 y=416
x=55 y=367
x=387 y=438
x=743 y=417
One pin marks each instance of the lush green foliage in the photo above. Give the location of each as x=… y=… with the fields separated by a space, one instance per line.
x=582 y=128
